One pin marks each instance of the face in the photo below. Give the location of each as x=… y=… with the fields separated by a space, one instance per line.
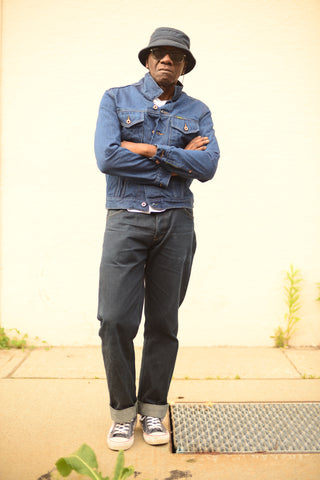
x=164 y=69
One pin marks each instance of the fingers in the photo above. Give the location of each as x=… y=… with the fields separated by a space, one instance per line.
x=201 y=148
x=198 y=143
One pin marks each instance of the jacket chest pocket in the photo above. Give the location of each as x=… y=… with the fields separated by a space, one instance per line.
x=131 y=124
x=182 y=131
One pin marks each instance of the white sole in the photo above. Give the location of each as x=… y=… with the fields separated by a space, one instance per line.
x=120 y=445
x=156 y=439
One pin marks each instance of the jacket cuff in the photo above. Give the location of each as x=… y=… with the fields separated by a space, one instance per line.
x=161 y=154
x=163 y=177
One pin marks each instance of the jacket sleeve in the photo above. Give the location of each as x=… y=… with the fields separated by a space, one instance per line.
x=112 y=159
x=200 y=165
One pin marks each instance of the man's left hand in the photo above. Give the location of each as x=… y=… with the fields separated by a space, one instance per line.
x=198 y=143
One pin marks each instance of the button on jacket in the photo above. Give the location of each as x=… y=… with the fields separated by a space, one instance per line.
x=136 y=182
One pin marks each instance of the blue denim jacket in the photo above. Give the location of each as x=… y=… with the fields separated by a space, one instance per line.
x=137 y=182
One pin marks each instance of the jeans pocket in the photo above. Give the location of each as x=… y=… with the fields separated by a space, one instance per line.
x=114 y=211
x=188 y=212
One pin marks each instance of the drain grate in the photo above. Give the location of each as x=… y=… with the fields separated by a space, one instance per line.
x=246 y=427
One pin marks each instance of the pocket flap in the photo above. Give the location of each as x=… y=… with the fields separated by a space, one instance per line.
x=129 y=118
x=185 y=125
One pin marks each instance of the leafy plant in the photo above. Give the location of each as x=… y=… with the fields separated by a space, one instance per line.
x=16 y=342
x=4 y=339
x=279 y=338
x=84 y=461
x=292 y=292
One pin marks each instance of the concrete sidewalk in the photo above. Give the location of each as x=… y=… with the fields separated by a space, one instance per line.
x=53 y=401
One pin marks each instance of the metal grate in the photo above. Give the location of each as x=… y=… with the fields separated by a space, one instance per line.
x=246 y=427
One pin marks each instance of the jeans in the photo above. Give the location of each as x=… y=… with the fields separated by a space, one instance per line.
x=146 y=260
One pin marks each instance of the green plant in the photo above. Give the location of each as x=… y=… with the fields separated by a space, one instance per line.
x=16 y=342
x=279 y=338
x=4 y=339
x=292 y=292
x=84 y=461
x=308 y=376
x=318 y=285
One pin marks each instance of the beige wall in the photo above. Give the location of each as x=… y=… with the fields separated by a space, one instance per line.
x=257 y=68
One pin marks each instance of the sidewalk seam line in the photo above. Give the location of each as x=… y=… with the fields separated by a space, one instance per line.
x=256 y=379
x=13 y=371
x=291 y=362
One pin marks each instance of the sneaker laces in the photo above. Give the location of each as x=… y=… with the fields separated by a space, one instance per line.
x=154 y=423
x=121 y=429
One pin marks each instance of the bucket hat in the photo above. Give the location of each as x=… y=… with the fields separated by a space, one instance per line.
x=169 y=37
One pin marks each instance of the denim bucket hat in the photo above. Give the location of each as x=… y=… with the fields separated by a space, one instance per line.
x=169 y=37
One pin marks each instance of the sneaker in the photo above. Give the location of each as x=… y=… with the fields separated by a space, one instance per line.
x=154 y=432
x=121 y=435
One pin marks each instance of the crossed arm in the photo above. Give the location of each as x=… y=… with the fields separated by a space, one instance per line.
x=147 y=150
x=150 y=164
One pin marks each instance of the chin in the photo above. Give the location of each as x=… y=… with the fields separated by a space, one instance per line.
x=166 y=79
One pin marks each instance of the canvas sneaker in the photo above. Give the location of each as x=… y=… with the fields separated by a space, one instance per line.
x=154 y=432
x=121 y=435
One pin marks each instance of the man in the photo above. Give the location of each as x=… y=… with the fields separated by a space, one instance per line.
x=152 y=140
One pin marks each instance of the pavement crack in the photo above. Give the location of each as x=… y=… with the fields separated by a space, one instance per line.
x=13 y=371
x=291 y=362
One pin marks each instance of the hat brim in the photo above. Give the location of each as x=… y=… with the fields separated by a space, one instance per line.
x=190 y=60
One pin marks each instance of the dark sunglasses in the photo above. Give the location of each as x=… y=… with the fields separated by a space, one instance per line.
x=175 y=55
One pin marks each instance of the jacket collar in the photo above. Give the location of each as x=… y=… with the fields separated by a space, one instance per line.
x=152 y=90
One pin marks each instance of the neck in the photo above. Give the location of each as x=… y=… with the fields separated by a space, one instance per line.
x=168 y=92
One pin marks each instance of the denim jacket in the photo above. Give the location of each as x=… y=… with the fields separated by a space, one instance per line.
x=136 y=182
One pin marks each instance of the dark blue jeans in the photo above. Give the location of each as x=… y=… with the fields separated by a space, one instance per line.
x=146 y=260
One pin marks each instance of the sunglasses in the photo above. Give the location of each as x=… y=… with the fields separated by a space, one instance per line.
x=175 y=55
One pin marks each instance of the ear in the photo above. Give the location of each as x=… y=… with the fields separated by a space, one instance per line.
x=184 y=68
x=147 y=60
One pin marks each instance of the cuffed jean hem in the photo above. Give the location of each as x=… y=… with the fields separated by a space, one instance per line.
x=125 y=415
x=150 y=410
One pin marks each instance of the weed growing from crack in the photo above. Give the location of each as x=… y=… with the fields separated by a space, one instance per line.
x=292 y=293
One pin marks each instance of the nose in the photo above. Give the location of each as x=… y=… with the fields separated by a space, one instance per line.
x=166 y=59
